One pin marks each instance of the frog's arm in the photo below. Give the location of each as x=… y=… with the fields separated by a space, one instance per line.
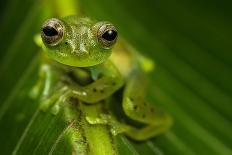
x=155 y=120
x=110 y=81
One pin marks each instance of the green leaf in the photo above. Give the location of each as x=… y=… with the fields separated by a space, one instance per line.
x=190 y=42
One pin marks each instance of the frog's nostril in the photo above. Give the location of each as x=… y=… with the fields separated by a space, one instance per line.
x=50 y=31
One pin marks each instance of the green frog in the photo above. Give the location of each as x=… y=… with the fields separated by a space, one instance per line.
x=84 y=59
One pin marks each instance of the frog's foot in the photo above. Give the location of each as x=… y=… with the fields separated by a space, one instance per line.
x=55 y=100
x=150 y=130
x=105 y=119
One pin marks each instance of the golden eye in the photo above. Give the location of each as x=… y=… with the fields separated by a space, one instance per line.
x=107 y=35
x=52 y=32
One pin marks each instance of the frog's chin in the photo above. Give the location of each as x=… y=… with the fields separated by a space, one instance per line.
x=79 y=63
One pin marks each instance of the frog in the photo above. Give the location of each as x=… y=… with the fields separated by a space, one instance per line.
x=85 y=59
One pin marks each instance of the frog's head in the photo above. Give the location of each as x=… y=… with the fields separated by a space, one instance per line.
x=78 y=42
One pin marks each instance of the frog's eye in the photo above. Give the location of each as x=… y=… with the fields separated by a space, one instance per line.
x=52 y=32
x=107 y=35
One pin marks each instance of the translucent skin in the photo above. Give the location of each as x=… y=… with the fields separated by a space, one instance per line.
x=81 y=54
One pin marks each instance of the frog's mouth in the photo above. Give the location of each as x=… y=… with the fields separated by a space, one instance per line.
x=80 y=59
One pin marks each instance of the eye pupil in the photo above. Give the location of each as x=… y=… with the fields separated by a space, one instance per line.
x=50 y=31
x=109 y=35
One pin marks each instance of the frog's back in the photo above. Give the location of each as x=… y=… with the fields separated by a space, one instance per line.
x=128 y=60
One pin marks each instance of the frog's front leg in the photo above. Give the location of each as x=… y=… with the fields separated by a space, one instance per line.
x=48 y=87
x=137 y=109
x=106 y=85
x=48 y=77
x=37 y=88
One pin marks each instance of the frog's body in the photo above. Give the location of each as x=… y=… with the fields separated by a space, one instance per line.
x=80 y=65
